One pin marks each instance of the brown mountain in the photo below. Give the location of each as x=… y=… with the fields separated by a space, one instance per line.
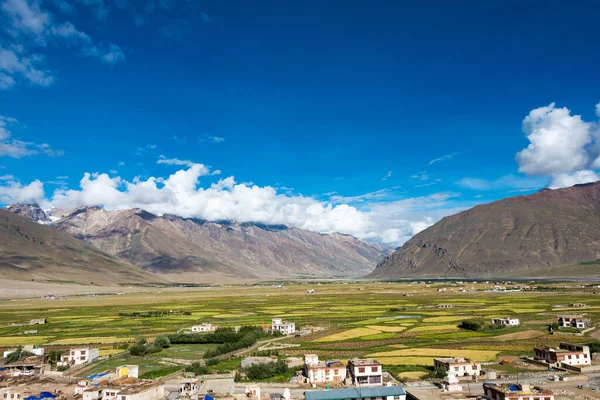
x=195 y=251
x=29 y=250
x=533 y=236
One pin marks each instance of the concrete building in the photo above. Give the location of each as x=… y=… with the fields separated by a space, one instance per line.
x=204 y=328
x=363 y=393
x=252 y=392
x=493 y=391
x=323 y=371
x=287 y=328
x=189 y=386
x=78 y=356
x=39 y=321
x=38 y=351
x=444 y=306
x=141 y=390
x=565 y=354
x=365 y=372
x=506 y=321
x=458 y=366
x=572 y=321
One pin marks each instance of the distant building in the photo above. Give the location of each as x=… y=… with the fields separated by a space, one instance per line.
x=323 y=371
x=565 y=354
x=360 y=393
x=458 y=366
x=79 y=356
x=515 y=392
x=444 y=306
x=140 y=390
x=310 y=291
x=189 y=386
x=577 y=305
x=365 y=372
x=572 y=321
x=506 y=321
x=49 y=297
x=38 y=351
x=39 y=321
x=204 y=328
x=287 y=328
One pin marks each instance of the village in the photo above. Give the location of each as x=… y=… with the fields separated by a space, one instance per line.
x=37 y=375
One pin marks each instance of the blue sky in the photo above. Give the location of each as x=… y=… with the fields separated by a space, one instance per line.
x=370 y=118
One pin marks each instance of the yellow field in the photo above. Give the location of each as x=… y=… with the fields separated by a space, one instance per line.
x=431 y=328
x=106 y=340
x=412 y=375
x=383 y=328
x=22 y=340
x=406 y=360
x=349 y=334
x=110 y=352
x=479 y=355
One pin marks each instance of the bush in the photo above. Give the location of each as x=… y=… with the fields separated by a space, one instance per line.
x=594 y=347
x=162 y=341
x=473 y=325
x=197 y=369
x=138 y=349
x=265 y=371
x=54 y=355
x=212 y=361
x=62 y=368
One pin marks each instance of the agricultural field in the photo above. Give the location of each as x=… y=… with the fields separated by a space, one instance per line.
x=398 y=323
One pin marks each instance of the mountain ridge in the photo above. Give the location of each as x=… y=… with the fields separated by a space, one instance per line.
x=547 y=229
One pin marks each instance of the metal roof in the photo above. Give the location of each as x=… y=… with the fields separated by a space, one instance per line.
x=355 y=393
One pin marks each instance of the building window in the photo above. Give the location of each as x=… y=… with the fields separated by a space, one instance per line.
x=375 y=369
x=361 y=369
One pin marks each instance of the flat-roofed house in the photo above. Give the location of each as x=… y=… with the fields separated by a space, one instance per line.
x=323 y=371
x=458 y=366
x=565 y=354
x=365 y=372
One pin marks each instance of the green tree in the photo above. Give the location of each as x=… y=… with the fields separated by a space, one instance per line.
x=162 y=341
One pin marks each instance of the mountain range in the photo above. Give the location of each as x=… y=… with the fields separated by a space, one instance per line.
x=185 y=250
x=550 y=233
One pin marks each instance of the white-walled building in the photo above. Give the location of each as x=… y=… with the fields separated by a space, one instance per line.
x=38 y=351
x=365 y=372
x=78 y=356
x=189 y=386
x=458 y=366
x=204 y=328
x=136 y=391
x=285 y=327
x=572 y=321
x=128 y=371
x=506 y=321
x=323 y=371
x=565 y=354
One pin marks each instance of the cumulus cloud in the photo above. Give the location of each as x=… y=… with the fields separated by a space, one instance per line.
x=182 y=193
x=562 y=146
x=32 y=29
x=17 y=148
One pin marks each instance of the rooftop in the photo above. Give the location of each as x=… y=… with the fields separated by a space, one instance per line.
x=354 y=393
x=364 y=361
x=456 y=360
x=516 y=389
x=328 y=364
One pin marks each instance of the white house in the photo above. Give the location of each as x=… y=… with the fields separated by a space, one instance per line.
x=189 y=386
x=506 y=321
x=367 y=372
x=38 y=351
x=11 y=393
x=287 y=328
x=572 y=321
x=137 y=391
x=79 y=356
x=323 y=371
x=566 y=353
x=458 y=366
x=204 y=328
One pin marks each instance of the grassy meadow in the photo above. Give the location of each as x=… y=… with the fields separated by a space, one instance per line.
x=397 y=323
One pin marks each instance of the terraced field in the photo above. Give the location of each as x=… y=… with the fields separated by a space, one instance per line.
x=398 y=323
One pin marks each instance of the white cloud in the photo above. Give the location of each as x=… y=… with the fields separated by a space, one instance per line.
x=505 y=182
x=387 y=176
x=558 y=142
x=174 y=161
x=32 y=29
x=17 y=148
x=183 y=194
x=211 y=139
x=443 y=158
x=573 y=178
x=421 y=176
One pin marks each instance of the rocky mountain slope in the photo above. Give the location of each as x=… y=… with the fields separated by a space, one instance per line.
x=191 y=250
x=30 y=250
x=518 y=236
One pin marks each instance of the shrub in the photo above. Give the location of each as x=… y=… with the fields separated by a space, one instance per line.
x=197 y=369
x=162 y=341
x=138 y=349
x=62 y=368
x=265 y=371
x=473 y=325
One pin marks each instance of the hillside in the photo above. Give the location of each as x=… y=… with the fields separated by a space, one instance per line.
x=526 y=236
x=197 y=251
x=31 y=251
